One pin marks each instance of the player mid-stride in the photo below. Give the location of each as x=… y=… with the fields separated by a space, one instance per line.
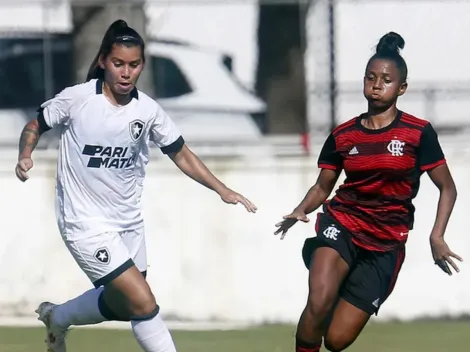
x=106 y=125
x=355 y=259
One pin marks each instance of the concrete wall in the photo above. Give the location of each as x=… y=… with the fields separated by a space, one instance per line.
x=211 y=261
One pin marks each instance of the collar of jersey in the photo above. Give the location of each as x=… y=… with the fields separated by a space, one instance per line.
x=380 y=130
x=99 y=89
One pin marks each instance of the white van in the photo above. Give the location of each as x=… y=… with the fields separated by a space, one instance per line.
x=197 y=87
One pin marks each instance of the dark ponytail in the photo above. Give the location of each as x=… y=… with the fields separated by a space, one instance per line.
x=118 y=32
x=389 y=48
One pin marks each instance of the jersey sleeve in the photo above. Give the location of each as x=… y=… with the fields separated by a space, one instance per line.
x=165 y=134
x=55 y=111
x=329 y=156
x=430 y=154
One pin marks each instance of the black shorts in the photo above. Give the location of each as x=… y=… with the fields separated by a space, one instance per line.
x=372 y=275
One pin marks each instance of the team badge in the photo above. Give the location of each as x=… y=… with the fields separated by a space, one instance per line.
x=396 y=147
x=136 y=128
x=102 y=255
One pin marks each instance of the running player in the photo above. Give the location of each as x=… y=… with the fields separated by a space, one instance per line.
x=106 y=125
x=359 y=249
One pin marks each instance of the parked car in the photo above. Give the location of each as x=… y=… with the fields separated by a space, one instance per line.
x=196 y=86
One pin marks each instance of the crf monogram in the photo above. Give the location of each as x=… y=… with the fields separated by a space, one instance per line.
x=396 y=147
x=331 y=232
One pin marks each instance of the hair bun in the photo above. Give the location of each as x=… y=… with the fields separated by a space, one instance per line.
x=390 y=43
x=118 y=24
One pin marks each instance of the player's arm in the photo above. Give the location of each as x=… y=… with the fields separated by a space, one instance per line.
x=192 y=166
x=442 y=254
x=431 y=159
x=443 y=180
x=319 y=192
x=314 y=198
x=29 y=137
x=165 y=134
x=51 y=113
x=331 y=164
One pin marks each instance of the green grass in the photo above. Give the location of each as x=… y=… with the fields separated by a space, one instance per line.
x=392 y=337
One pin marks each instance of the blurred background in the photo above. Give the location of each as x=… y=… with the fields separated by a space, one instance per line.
x=255 y=87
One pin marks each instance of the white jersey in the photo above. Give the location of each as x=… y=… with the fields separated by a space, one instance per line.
x=102 y=155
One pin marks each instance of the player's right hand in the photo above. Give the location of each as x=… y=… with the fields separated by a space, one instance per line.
x=289 y=221
x=22 y=168
x=442 y=255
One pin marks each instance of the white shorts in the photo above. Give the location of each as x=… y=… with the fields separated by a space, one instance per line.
x=106 y=256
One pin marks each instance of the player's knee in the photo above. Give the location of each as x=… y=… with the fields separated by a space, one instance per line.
x=143 y=308
x=320 y=302
x=337 y=341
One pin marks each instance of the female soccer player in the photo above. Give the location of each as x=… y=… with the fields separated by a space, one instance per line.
x=106 y=125
x=359 y=249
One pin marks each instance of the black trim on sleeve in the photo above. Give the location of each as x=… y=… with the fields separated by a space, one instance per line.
x=174 y=147
x=329 y=157
x=43 y=127
x=430 y=153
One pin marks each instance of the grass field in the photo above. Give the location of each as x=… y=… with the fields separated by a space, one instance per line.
x=414 y=337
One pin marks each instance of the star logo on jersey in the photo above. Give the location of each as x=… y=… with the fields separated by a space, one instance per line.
x=136 y=128
x=102 y=255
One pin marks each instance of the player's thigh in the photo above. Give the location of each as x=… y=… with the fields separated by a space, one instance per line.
x=346 y=324
x=135 y=243
x=106 y=261
x=326 y=273
x=130 y=295
x=328 y=256
x=373 y=279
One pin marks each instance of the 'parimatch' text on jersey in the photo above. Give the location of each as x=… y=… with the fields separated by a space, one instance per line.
x=102 y=154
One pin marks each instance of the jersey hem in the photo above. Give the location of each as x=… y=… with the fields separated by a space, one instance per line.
x=92 y=233
x=357 y=241
x=376 y=248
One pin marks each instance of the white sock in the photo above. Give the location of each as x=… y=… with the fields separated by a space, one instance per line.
x=153 y=335
x=82 y=310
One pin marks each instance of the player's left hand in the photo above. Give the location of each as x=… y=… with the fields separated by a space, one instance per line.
x=231 y=197
x=443 y=255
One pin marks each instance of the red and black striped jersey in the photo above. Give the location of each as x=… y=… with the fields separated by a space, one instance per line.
x=383 y=169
